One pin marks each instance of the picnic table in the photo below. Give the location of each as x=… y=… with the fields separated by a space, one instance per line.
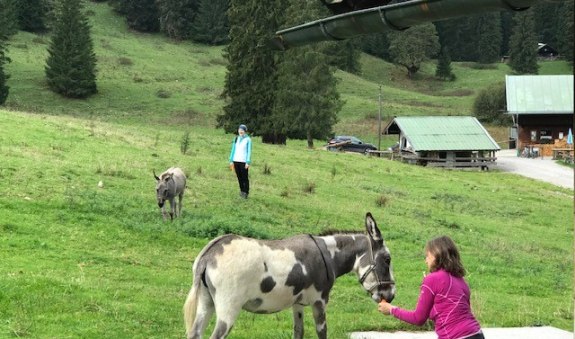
x=562 y=153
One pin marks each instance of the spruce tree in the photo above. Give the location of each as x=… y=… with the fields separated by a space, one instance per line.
x=141 y=15
x=523 y=44
x=506 y=18
x=489 y=44
x=344 y=55
x=32 y=15
x=4 y=89
x=250 y=82
x=307 y=100
x=211 y=24
x=177 y=17
x=71 y=64
x=565 y=35
x=443 y=69
x=376 y=45
x=8 y=17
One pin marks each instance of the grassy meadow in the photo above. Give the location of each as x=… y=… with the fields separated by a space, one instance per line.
x=79 y=261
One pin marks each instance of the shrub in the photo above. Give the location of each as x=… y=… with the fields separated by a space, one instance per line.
x=161 y=93
x=309 y=187
x=125 y=61
x=185 y=143
x=381 y=201
x=490 y=105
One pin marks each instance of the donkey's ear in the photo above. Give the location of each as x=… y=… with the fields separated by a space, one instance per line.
x=371 y=227
x=155 y=176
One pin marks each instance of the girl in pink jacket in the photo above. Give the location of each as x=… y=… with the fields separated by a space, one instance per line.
x=444 y=296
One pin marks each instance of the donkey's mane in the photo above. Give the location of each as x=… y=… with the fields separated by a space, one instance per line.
x=331 y=231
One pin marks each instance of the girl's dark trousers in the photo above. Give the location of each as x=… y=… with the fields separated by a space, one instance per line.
x=242 y=174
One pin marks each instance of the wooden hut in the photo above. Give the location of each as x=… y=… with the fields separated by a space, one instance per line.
x=542 y=111
x=443 y=141
x=547 y=52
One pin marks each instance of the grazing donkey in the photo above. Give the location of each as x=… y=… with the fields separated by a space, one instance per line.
x=170 y=184
x=265 y=276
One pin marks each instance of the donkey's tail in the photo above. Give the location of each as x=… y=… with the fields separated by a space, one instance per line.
x=191 y=306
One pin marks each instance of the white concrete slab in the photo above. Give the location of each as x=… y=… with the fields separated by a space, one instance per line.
x=544 y=332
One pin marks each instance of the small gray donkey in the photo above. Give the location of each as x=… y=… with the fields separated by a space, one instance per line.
x=170 y=184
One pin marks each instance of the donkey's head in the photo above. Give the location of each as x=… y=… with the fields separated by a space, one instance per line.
x=375 y=270
x=163 y=187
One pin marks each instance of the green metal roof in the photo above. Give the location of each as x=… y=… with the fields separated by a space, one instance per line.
x=539 y=94
x=445 y=133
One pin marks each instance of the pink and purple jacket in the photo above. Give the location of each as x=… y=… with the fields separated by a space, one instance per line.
x=445 y=300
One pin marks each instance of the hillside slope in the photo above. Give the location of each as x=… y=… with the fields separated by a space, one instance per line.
x=147 y=77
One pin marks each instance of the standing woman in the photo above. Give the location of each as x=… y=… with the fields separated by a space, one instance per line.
x=240 y=159
x=444 y=296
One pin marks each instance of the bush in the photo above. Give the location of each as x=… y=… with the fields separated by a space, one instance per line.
x=490 y=105
x=185 y=143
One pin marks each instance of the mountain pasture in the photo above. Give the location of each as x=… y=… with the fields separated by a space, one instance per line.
x=81 y=259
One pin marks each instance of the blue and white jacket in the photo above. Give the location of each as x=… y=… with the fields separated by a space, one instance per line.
x=242 y=149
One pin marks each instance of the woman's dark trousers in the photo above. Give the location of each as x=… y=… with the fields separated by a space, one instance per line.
x=243 y=179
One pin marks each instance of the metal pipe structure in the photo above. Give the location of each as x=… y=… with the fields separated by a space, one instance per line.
x=386 y=18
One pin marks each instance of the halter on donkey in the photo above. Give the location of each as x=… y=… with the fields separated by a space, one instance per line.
x=233 y=273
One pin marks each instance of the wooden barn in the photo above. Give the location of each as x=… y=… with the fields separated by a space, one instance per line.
x=443 y=141
x=545 y=51
x=542 y=111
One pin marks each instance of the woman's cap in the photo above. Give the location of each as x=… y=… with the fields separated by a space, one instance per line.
x=243 y=127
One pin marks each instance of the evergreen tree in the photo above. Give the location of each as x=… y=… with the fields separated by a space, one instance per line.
x=176 y=17
x=411 y=47
x=71 y=63
x=344 y=55
x=547 y=16
x=307 y=100
x=376 y=45
x=141 y=15
x=211 y=24
x=459 y=35
x=443 y=70
x=565 y=35
x=523 y=44
x=250 y=82
x=8 y=17
x=506 y=28
x=32 y=15
x=4 y=89
x=489 y=32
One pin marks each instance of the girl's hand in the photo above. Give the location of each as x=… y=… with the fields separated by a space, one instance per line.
x=384 y=307
x=247 y=166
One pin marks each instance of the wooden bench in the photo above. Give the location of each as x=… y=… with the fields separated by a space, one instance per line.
x=562 y=153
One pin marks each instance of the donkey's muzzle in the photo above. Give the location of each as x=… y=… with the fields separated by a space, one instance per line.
x=161 y=203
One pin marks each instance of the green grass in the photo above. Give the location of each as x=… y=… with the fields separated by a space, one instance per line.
x=82 y=261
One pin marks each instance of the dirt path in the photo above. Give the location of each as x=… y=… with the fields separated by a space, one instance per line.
x=544 y=169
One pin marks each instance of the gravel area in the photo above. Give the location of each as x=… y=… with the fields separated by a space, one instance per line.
x=544 y=332
x=542 y=168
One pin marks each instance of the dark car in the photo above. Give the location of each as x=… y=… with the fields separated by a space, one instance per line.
x=349 y=144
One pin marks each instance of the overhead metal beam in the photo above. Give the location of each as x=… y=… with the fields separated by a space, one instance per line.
x=385 y=18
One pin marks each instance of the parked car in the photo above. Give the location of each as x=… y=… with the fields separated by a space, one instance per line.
x=349 y=144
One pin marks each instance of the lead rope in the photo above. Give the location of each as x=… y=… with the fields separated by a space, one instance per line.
x=322 y=257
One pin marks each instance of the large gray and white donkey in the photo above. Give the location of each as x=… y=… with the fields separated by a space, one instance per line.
x=265 y=276
x=169 y=185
